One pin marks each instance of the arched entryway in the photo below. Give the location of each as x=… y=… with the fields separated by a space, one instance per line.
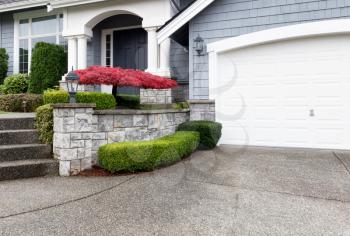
x=120 y=41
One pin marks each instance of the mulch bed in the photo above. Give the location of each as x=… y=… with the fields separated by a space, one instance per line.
x=97 y=171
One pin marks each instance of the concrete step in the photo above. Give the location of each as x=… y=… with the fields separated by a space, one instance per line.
x=24 y=152
x=28 y=169
x=24 y=136
x=16 y=123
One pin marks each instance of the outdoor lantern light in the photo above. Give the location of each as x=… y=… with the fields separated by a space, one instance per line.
x=72 y=84
x=199 y=45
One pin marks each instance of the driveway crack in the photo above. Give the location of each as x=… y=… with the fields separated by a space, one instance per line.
x=69 y=201
x=342 y=162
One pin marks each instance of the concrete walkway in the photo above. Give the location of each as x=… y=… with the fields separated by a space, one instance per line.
x=229 y=191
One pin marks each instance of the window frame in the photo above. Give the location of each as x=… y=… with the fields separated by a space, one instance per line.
x=29 y=37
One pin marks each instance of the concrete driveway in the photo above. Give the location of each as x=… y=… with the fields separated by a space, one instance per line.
x=229 y=191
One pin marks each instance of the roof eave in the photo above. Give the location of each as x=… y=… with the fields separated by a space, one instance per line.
x=39 y=3
x=22 y=5
x=181 y=19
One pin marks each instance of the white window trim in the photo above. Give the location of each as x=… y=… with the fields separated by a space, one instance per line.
x=30 y=15
x=104 y=34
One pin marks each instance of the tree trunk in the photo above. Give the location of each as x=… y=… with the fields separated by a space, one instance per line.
x=114 y=92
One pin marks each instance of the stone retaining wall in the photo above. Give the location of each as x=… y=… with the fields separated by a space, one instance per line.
x=79 y=131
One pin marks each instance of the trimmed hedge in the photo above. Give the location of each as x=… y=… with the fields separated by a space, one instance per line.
x=44 y=123
x=49 y=63
x=4 y=57
x=129 y=101
x=210 y=132
x=147 y=155
x=103 y=100
x=15 y=84
x=14 y=102
x=181 y=105
x=53 y=96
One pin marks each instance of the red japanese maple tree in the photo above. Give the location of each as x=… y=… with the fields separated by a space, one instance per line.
x=119 y=77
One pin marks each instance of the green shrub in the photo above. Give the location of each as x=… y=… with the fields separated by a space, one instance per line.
x=53 y=96
x=49 y=63
x=103 y=100
x=3 y=64
x=147 y=155
x=44 y=123
x=129 y=101
x=15 y=84
x=14 y=102
x=210 y=132
x=181 y=105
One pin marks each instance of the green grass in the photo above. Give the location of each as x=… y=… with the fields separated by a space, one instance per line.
x=3 y=112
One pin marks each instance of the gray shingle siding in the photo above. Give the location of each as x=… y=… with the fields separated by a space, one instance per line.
x=179 y=62
x=229 y=18
x=7 y=36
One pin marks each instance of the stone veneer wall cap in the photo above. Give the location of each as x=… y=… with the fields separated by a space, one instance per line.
x=138 y=112
x=74 y=105
x=201 y=101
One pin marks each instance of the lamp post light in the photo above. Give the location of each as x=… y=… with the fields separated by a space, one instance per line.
x=199 y=45
x=72 y=85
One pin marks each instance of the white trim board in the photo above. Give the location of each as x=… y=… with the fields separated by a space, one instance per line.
x=182 y=19
x=38 y=3
x=304 y=30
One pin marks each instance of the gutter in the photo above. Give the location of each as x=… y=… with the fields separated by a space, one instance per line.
x=39 y=3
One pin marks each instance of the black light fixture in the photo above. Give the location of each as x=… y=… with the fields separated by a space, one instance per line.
x=199 y=45
x=72 y=80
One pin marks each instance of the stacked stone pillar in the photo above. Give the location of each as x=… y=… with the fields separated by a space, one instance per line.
x=202 y=109
x=72 y=142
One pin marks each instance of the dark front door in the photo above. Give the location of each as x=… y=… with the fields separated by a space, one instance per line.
x=130 y=52
x=130 y=49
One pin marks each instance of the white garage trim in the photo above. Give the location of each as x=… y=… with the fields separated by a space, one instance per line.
x=298 y=31
x=304 y=30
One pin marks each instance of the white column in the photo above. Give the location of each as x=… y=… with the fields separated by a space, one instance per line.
x=152 y=50
x=164 y=69
x=72 y=53
x=82 y=52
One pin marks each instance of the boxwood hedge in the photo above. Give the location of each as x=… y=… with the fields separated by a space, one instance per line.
x=103 y=100
x=53 y=96
x=210 y=132
x=44 y=123
x=147 y=155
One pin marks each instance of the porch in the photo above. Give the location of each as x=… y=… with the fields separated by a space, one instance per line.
x=120 y=34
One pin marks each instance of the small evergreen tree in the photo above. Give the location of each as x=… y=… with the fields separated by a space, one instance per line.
x=3 y=64
x=49 y=63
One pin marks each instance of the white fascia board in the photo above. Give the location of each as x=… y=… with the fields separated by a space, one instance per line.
x=304 y=30
x=68 y=3
x=38 y=3
x=182 y=19
x=22 y=5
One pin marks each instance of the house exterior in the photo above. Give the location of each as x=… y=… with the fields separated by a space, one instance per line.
x=277 y=70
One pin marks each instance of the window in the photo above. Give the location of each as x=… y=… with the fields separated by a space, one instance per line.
x=37 y=29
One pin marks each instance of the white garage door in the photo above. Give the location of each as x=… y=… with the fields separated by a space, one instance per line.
x=293 y=93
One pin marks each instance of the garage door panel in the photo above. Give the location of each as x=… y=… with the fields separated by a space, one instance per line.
x=293 y=93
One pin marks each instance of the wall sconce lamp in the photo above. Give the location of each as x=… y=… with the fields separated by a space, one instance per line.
x=72 y=85
x=199 y=45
